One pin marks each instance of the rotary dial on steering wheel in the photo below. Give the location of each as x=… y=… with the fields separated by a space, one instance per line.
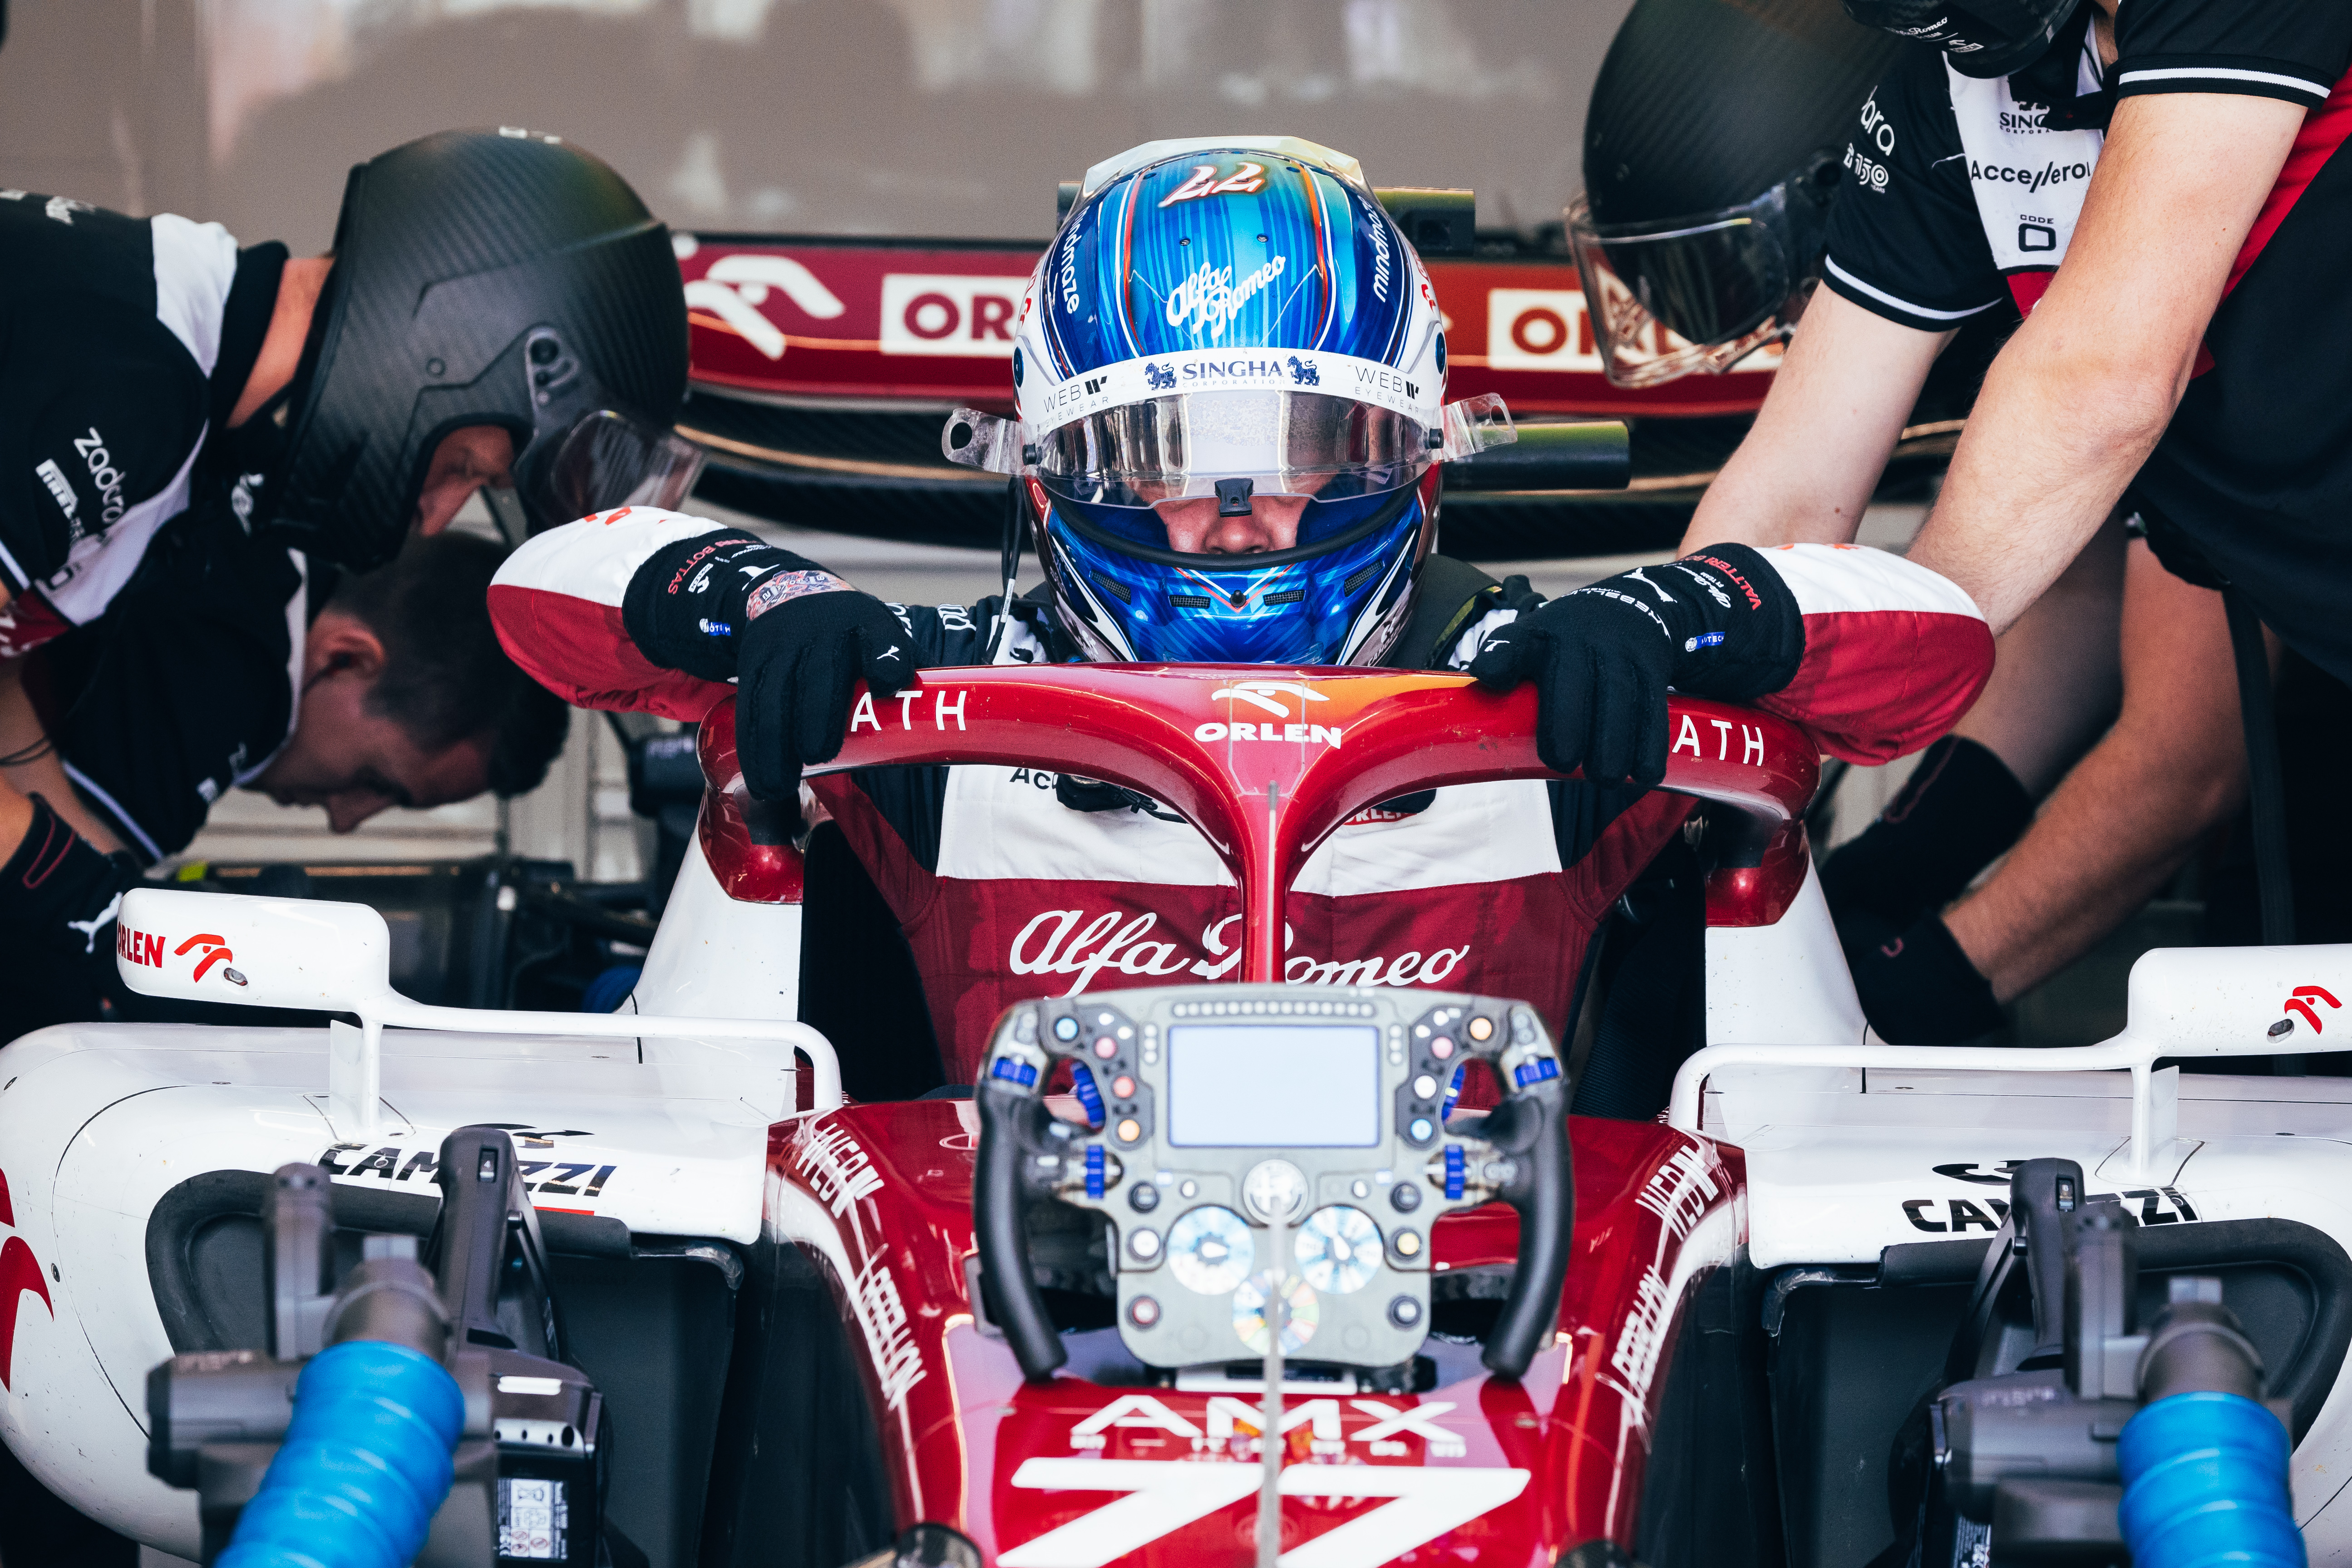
x=1338 y=1250
x=1210 y=1250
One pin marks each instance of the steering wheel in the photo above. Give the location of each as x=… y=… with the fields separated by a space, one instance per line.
x=1260 y=1114
x=1321 y=1186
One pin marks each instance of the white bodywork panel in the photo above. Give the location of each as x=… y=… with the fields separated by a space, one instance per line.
x=1843 y=1161
x=716 y=957
x=98 y=1122
x=1784 y=983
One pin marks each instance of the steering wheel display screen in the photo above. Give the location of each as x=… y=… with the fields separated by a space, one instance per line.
x=1268 y=1086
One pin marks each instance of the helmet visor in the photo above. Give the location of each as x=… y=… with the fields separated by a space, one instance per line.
x=608 y=459
x=1694 y=294
x=1287 y=443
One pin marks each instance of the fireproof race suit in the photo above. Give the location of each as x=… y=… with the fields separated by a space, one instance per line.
x=124 y=344
x=1960 y=186
x=1014 y=883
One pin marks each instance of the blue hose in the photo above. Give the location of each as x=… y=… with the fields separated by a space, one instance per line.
x=2205 y=1484
x=365 y=1463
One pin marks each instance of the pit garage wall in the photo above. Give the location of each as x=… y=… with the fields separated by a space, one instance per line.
x=887 y=117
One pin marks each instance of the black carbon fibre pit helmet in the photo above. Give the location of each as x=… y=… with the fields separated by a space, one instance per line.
x=484 y=278
x=1711 y=152
x=1981 y=37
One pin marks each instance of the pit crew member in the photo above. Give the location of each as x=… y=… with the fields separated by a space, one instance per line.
x=1230 y=381
x=1966 y=177
x=499 y=309
x=355 y=693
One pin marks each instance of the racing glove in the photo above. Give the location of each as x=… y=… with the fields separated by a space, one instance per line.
x=1961 y=808
x=791 y=635
x=59 y=898
x=1719 y=624
x=1916 y=988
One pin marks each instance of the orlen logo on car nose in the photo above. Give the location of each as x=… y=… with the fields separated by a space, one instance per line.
x=1268 y=697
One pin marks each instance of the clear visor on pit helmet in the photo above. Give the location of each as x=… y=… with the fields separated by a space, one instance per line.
x=1702 y=291
x=607 y=459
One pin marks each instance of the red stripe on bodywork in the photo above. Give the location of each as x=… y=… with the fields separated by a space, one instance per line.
x=581 y=652
x=1877 y=685
x=20 y=1273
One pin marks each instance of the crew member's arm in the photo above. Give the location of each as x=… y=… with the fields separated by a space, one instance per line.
x=2079 y=397
x=2132 y=810
x=1907 y=266
x=655 y=612
x=1808 y=464
x=30 y=765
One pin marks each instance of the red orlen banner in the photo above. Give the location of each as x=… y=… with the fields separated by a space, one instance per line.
x=930 y=320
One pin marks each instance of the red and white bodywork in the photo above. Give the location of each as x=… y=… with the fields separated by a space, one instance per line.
x=1798 y=1148
x=1074 y=1474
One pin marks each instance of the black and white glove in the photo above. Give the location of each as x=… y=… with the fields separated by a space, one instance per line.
x=1719 y=623
x=1916 y=987
x=793 y=636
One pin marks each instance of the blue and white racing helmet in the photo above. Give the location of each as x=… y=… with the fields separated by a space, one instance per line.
x=1217 y=321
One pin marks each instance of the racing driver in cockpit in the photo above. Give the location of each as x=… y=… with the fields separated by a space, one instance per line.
x=1229 y=377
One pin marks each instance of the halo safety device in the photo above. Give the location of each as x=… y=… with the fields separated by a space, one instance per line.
x=1982 y=38
x=1220 y=321
x=484 y=278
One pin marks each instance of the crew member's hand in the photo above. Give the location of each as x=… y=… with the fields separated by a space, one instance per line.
x=1719 y=623
x=808 y=637
x=1915 y=986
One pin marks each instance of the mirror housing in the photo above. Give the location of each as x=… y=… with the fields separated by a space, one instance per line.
x=1584 y=455
x=256 y=951
x=1438 y=222
x=316 y=956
